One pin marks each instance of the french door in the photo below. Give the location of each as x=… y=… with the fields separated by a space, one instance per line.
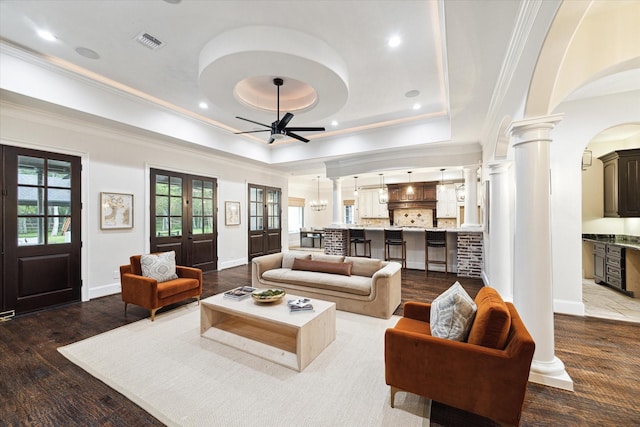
x=183 y=213
x=40 y=233
x=265 y=224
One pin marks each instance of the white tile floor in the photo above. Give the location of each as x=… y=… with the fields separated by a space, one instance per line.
x=602 y=301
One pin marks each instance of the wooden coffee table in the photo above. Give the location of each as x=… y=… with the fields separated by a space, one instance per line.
x=269 y=330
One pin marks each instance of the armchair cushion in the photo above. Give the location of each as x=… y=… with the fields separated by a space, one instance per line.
x=161 y=267
x=452 y=314
x=493 y=320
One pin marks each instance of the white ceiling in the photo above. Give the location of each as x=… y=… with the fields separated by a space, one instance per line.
x=452 y=53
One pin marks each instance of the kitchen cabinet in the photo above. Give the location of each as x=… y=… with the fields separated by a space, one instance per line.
x=369 y=206
x=609 y=265
x=447 y=206
x=599 y=260
x=621 y=171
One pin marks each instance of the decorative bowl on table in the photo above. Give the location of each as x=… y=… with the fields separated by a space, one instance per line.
x=268 y=295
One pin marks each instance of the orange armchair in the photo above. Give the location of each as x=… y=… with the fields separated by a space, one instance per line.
x=148 y=293
x=487 y=375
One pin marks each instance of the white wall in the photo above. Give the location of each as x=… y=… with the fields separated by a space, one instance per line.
x=583 y=120
x=117 y=161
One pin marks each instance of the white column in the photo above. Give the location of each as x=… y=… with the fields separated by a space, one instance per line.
x=338 y=216
x=532 y=283
x=471 y=197
x=500 y=230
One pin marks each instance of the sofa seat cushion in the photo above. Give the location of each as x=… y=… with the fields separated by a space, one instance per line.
x=356 y=285
x=493 y=320
x=343 y=268
x=412 y=325
x=176 y=286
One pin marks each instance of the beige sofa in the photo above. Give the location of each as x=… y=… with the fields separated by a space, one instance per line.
x=359 y=285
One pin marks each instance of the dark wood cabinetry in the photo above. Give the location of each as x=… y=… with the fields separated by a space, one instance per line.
x=599 y=262
x=420 y=192
x=421 y=196
x=621 y=170
x=609 y=265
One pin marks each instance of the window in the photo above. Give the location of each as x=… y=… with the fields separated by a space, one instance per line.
x=349 y=211
x=348 y=215
x=44 y=201
x=296 y=218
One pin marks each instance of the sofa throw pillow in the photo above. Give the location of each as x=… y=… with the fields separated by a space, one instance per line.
x=342 y=268
x=161 y=267
x=288 y=257
x=452 y=314
x=365 y=267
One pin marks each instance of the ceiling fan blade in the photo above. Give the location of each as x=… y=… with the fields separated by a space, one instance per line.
x=298 y=137
x=251 y=121
x=302 y=129
x=251 y=131
x=285 y=120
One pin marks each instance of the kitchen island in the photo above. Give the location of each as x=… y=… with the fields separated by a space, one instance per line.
x=465 y=245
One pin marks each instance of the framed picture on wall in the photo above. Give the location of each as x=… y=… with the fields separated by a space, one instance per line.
x=116 y=211
x=231 y=213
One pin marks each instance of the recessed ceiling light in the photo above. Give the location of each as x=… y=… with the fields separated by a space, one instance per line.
x=417 y=106
x=47 y=35
x=87 y=53
x=334 y=123
x=394 y=41
x=203 y=105
x=412 y=93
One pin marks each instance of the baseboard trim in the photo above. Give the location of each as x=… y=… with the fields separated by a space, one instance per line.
x=103 y=291
x=568 y=307
x=233 y=263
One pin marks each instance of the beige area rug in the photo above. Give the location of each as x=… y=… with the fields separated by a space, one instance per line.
x=183 y=379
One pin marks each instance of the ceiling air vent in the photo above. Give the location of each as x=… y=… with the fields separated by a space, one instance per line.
x=149 y=41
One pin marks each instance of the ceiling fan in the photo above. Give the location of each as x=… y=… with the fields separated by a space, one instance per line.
x=279 y=128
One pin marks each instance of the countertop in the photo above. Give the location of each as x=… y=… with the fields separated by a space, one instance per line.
x=630 y=242
x=413 y=229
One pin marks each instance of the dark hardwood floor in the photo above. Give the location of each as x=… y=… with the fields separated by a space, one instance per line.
x=39 y=387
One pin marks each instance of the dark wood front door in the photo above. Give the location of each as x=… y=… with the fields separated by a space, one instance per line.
x=41 y=213
x=183 y=209
x=265 y=224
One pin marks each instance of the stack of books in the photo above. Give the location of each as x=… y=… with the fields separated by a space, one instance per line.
x=239 y=293
x=300 y=304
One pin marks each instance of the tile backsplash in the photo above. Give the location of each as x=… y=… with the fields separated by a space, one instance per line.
x=413 y=218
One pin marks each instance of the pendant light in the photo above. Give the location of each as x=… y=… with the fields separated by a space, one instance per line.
x=410 y=187
x=383 y=193
x=355 y=186
x=442 y=188
x=461 y=190
x=318 y=204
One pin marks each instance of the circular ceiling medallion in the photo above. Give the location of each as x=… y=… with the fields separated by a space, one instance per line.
x=260 y=91
x=237 y=68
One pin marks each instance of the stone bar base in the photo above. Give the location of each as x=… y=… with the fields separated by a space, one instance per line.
x=336 y=241
x=470 y=254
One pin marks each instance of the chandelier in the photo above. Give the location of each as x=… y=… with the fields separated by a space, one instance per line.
x=383 y=192
x=318 y=204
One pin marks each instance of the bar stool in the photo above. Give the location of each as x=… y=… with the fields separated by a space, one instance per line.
x=435 y=239
x=394 y=237
x=358 y=236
